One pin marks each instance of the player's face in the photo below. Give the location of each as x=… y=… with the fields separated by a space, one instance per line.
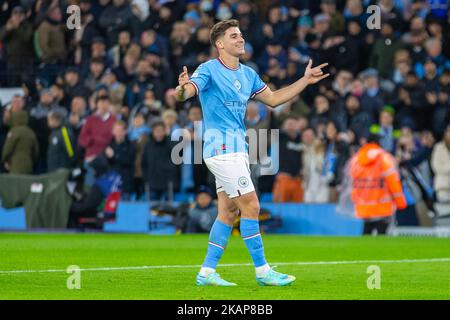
x=385 y=119
x=119 y=132
x=103 y=106
x=139 y=121
x=159 y=133
x=52 y=123
x=233 y=42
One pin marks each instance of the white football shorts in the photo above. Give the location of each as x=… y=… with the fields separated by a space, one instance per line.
x=232 y=173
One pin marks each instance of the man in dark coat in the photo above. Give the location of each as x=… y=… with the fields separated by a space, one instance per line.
x=117 y=16
x=121 y=155
x=374 y=97
x=17 y=36
x=73 y=86
x=157 y=165
x=412 y=103
x=61 y=143
x=39 y=124
x=353 y=118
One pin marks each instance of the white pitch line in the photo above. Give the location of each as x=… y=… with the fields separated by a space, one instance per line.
x=182 y=266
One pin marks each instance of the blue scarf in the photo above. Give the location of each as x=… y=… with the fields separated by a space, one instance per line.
x=135 y=133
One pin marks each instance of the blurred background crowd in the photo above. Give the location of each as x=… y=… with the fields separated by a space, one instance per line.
x=107 y=89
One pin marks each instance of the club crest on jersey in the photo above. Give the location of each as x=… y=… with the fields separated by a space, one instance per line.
x=243 y=182
x=237 y=84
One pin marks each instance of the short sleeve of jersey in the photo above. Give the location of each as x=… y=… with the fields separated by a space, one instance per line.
x=201 y=78
x=258 y=85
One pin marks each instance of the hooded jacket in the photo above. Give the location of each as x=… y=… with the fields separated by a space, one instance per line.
x=21 y=146
x=376 y=188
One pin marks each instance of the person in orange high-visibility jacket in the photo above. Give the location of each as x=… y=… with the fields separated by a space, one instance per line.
x=376 y=188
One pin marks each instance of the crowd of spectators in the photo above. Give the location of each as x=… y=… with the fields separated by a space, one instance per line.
x=107 y=88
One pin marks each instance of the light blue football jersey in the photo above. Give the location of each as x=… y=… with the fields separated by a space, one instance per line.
x=224 y=93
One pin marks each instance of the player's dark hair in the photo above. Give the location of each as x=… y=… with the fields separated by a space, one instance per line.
x=58 y=116
x=97 y=60
x=158 y=123
x=102 y=98
x=218 y=30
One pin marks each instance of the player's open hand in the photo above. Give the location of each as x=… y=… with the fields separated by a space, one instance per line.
x=183 y=78
x=314 y=75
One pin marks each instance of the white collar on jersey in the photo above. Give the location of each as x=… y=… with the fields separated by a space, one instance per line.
x=230 y=68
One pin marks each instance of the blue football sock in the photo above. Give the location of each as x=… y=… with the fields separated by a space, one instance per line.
x=218 y=239
x=252 y=238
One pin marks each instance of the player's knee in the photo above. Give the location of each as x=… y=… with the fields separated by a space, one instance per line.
x=227 y=217
x=253 y=207
x=233 y=209
x=229 y=208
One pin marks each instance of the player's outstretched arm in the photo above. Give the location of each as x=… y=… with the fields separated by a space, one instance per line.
x=184 y=90
x=275 y=98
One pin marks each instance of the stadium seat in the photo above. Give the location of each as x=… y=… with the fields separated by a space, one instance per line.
x=106 y=214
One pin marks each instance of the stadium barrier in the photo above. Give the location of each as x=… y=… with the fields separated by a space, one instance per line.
x=135 y=217
x=13 y=219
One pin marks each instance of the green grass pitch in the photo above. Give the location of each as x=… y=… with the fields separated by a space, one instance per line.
x=344 y=278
